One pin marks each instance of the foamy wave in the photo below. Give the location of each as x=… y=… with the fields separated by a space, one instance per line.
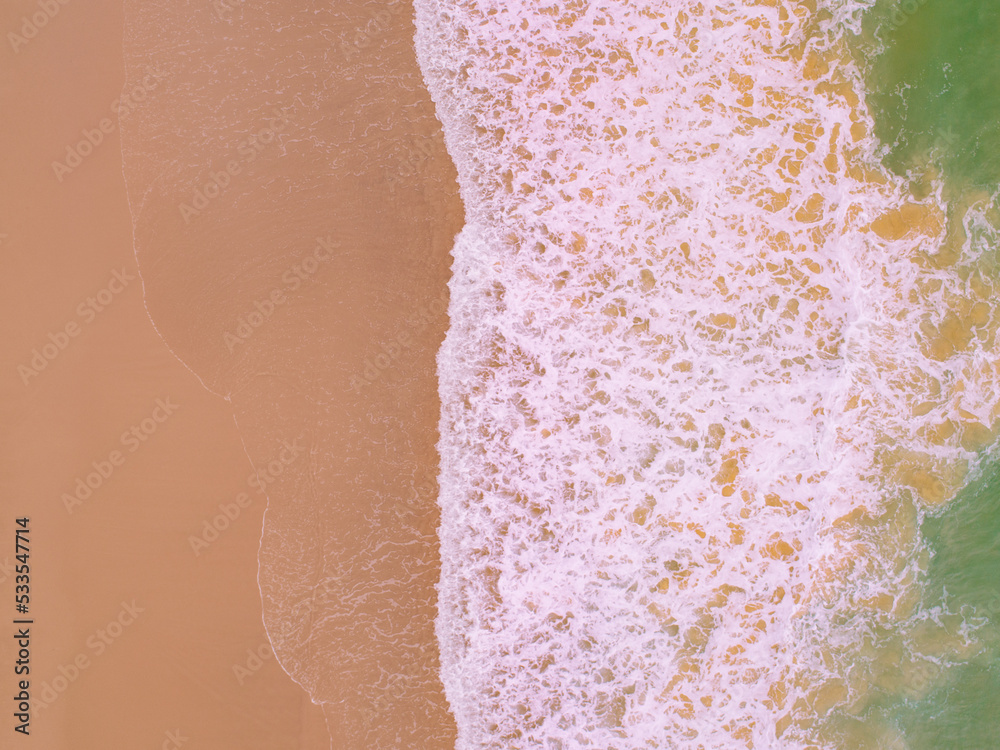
x=708 y=364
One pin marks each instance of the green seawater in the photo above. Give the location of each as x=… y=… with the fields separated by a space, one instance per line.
x=933 y=77
x=934 y=86
x=962 y=712
x=954 y=706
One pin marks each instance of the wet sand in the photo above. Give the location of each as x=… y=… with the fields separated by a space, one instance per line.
x=148 y=627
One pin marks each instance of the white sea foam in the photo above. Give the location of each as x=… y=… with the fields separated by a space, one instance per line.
x=708 y=364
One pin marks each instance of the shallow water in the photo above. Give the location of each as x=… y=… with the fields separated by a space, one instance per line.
x=935 y=96
x=292 y=212
x=936 y=86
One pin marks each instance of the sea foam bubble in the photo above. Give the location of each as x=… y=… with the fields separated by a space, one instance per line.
x=708 y=366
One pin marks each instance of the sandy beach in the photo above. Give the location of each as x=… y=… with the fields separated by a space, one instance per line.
x=273 y=349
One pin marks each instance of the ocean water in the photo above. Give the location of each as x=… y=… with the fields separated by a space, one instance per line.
x=959 y=709
x=719 y=393
x=934 y=77
x=934 y=92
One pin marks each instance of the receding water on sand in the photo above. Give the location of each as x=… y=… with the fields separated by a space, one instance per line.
x=293 y=210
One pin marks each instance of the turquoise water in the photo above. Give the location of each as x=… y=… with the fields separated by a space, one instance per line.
x=934 y=83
